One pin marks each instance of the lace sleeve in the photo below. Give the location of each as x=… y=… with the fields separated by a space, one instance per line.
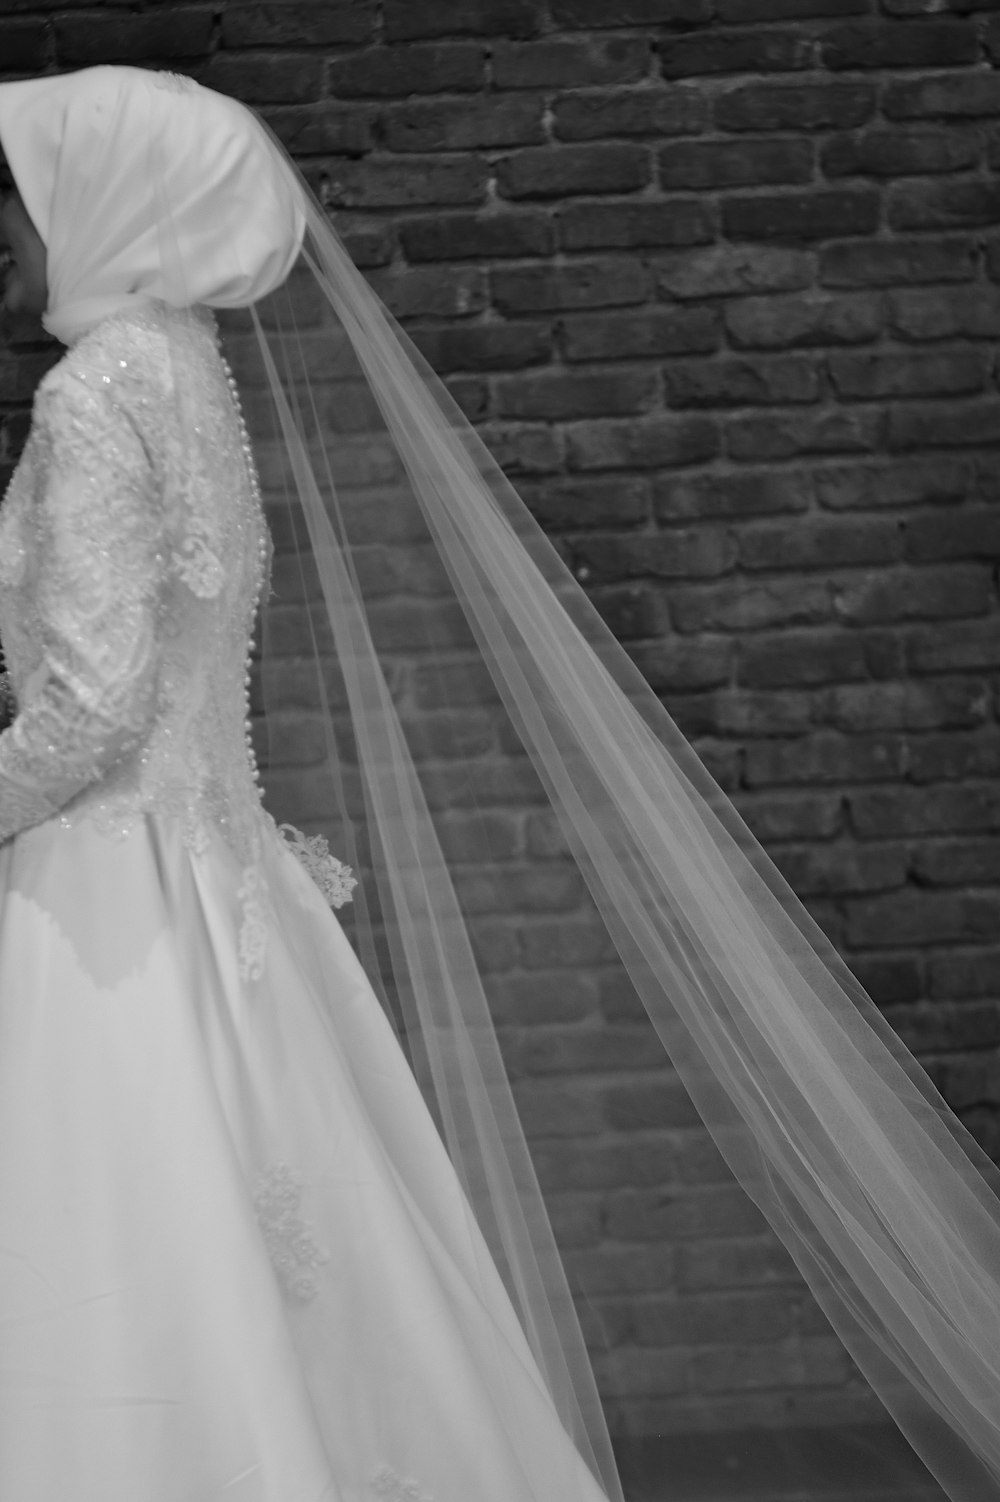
x=92 y=696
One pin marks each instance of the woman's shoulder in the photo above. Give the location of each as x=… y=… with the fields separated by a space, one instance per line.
x=131 y=364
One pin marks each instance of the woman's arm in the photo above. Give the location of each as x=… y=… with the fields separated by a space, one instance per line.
x=92 y=697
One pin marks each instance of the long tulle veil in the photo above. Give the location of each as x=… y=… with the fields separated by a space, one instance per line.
x=456 y=661
x=886 y=1204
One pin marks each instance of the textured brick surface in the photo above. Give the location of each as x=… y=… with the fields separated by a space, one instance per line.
x=720 y=282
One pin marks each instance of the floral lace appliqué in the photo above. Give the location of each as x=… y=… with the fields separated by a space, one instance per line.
x=293 y=1250
x=253 y=929
x=386 y=1483
x=335 y=880
x=196 y=563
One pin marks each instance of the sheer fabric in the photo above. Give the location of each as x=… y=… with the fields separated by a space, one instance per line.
x=886 y=1205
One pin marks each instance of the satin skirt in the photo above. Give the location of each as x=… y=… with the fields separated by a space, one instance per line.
x=235 y=1262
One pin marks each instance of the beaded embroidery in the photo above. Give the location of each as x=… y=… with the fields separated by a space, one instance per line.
x=293 y=1250
x=127 y=639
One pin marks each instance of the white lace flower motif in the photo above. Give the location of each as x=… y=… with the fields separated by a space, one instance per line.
x=335 y=880
x=294 y=1252
x=198 y=565
x=253 y=929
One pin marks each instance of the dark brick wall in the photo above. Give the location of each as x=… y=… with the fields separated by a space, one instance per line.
x=719 y=280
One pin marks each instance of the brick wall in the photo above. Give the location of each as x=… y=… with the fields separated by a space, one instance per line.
x=719 y=280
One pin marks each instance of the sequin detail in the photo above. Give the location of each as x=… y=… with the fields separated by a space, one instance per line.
x=292 y=1248
x=335 y=880
x=386 y=1483
x=133 y=552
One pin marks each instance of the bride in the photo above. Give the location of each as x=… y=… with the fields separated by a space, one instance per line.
x=244 y=1255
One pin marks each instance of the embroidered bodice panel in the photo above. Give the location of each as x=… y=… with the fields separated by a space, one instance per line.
x=133 y=550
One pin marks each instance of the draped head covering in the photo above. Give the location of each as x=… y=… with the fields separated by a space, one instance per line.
x=134 y=181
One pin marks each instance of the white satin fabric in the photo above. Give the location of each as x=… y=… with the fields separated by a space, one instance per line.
x=149 y=1349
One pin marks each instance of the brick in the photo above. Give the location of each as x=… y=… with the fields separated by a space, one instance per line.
x=814 y=106
x=629 y=112
x=922 y=594
x=741 y=383
x=549 y=943
x=832 y=870
x=181 y=32
x=654 y=331
x=679 y=553
x=935 y=536
x=473 y=396
x=24 y=45
x=676 y=665
x=924 y=44
x=486 y=346
x=899 y=153
x=413 y=182
x=557 y=396
x=432 y=291
x=753 y=493
x=560 y=172
x=734 y=270
x=755 y=51
x=806 y=320
x=735 y=164
x=588 y=14
x=736 y=1368
x=461 y=125
x=290 y=25
x=955 y=704
x=903 y=483
x=607 y=226
x=954 y=756
x=713 y=1319
x=824 y=757
x=492 y=236
x=385 y=72
x=888 y=263
x=961 y=96
x=944 y=425
x=406 y=20
x=744 y=606
x=823 y=542
x=320 y=129
x=945 y=313
x=890 y=979
x=921 y=917
x=775 y=816
x=950 y=863
x=789 y=658
x=745 y=12
x=872 y=377
x=632 y=612
x=524 y=448
x=943 y=205
x=562 y=62
x=585 y=502
x=974 y=974
x=757 y=439
x=729 y=1263
x=796 y=218
x=658 y=1215
x=579 y=284
x=960 y=646
x=642 y=443
x=266 y=78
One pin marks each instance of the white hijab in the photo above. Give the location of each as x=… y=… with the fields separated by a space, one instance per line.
x=144 y=185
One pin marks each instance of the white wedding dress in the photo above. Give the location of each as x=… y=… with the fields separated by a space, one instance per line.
x=235 y=1262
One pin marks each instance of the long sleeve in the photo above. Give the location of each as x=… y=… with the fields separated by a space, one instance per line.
x=94 y=572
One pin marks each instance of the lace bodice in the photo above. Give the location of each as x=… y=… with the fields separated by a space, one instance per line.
x=133 y=550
